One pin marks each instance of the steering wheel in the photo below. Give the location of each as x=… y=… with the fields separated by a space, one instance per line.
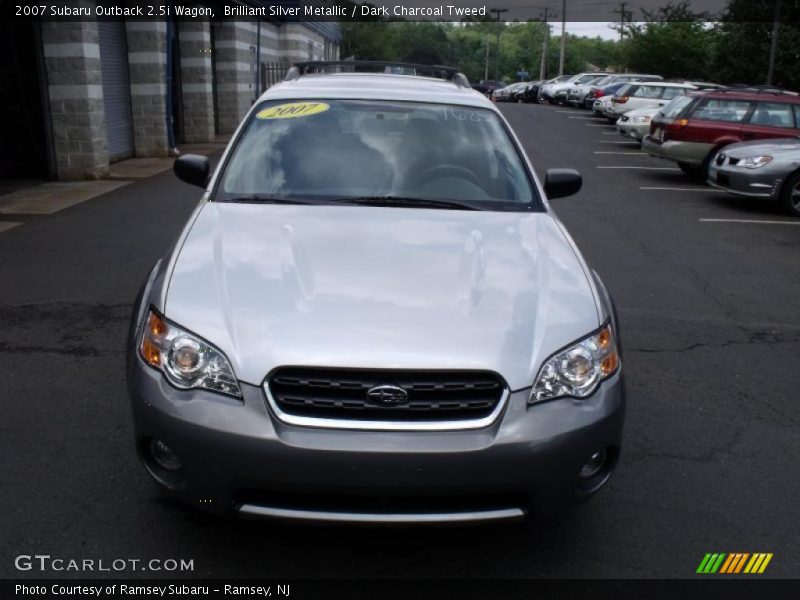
x=448 y=170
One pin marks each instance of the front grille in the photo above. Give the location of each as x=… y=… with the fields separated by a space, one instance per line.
x=331 y=393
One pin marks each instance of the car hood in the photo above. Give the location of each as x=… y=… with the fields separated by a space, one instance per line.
x=757 y=147
x=647 y=111
x=377 y=287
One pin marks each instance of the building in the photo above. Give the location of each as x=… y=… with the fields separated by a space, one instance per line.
x=80 y=94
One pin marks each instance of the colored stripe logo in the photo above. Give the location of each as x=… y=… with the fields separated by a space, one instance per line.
x=734 y=563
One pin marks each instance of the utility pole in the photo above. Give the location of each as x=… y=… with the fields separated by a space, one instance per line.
x=563 y=36
x=499 y=11
x=624 y=15
x=774 y=43
x=486 y=70
x=543 y=65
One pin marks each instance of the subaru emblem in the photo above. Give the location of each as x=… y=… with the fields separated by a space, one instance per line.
x=387 y=395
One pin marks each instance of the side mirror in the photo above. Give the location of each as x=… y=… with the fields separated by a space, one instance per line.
x=562 y=182
x=192 y=168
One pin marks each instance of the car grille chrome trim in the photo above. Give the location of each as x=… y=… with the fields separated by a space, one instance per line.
x=439 y=414
x=257 y=510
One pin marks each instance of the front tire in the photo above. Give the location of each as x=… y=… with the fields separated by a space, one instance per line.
x=790 y=195
x=692 y=171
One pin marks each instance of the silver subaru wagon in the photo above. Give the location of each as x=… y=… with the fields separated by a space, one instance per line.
x=373 y=316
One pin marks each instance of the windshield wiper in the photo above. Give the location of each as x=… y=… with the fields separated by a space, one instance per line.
x=255 y=199
x=410 y=202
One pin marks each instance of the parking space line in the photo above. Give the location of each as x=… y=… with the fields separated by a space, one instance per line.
x=750 y=221
x=625 y=153
x=601 y=125
x=583 y=118
x=608 y=132
x=677 y=189
x=643 y=168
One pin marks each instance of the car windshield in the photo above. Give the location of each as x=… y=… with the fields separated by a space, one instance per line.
x=675 y=106
x=340 y=150
x=623 y=89
x=615 y=88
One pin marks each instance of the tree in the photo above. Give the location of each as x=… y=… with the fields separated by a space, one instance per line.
x=745 y=34
x=673 y=41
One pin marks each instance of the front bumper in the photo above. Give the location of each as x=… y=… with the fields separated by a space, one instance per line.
x=575 y=98
x=636 y=131
x=756 y=183
x=691 y=153
x=239 y=458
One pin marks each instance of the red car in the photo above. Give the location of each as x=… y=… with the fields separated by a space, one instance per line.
x=691 y=129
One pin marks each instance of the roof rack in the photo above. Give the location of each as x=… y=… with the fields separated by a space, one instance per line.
x=755 y=89
x=351 y=66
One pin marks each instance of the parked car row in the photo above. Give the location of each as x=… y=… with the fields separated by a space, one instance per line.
x=744 y=139
x=511 y=93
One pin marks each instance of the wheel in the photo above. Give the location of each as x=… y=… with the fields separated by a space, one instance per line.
x=692 y=171
x=790 y=194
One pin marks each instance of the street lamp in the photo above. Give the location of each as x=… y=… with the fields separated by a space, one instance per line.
x=499 y=11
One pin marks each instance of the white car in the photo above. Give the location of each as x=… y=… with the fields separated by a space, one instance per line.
x=601 y=105
x=636 y=123
x=557 y=91
x=578 y=91
x=649 y=94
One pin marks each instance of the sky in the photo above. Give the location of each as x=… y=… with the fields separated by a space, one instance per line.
x=588 y=29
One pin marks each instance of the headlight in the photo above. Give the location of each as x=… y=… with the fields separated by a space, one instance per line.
x=187 y=361
x=577 y=370
x=640 y=119
x=753 y=162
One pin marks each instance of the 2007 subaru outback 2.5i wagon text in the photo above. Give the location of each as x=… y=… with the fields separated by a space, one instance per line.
x=374 y=316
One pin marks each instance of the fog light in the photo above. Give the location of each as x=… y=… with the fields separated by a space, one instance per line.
x=164 y=456
x=594 y=465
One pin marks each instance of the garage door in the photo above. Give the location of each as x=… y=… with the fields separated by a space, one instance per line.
x=116 y=91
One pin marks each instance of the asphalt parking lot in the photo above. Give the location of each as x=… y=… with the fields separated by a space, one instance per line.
x=707 y=290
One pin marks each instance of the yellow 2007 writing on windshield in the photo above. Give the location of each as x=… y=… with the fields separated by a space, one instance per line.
x=293 y=110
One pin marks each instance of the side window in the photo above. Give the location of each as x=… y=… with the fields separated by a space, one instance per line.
x=625 y=90
x=670 y=93
x=773 y=114
x=648 y=91
x=797 y=116
x=733 y=111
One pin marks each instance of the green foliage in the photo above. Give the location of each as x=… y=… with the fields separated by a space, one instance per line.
x=673 y=41
x=464 y=45
x=744 y=38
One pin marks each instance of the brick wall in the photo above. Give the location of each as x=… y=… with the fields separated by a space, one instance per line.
x=147 y=64
x=196 y=81
x=75 y=86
